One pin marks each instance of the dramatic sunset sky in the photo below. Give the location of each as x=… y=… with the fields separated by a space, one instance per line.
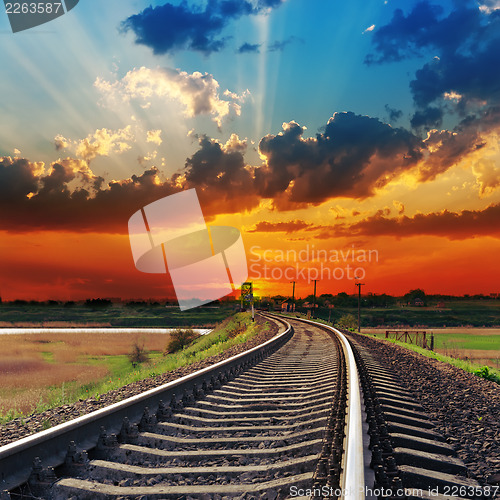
x=365 y=128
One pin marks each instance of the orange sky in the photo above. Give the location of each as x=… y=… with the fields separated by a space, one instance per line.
x=438 y=232
x=71 y=266
x=388 y=145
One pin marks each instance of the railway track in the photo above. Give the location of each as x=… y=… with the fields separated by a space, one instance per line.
x=279 y=421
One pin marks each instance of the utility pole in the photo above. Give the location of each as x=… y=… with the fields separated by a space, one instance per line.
x=359 y=285
x=293 y=296
x=314 y=299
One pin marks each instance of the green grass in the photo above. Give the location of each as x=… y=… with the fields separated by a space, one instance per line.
x=468 y=341
x=471 y=341
x=122 y=372
x=116 y=315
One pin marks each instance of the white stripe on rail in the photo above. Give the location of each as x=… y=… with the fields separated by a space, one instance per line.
x=352 y=481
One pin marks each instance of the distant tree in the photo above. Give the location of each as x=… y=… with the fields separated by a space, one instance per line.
x=179 y=339
x=278 y=298
x=98 y=302
x=344 y=300
x=348 y=321
x=136 y=303
x=412 y=295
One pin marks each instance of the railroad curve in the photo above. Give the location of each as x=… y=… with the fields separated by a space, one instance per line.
x=271 y=429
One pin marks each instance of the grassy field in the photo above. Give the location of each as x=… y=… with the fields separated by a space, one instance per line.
x=116 y=315
x=480 y=346
x=41 y=371
x=456 y=313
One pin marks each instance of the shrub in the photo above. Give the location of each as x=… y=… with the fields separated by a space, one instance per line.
x=484 y=372
x=139 y=354
x=348 y=321
x=179 y=339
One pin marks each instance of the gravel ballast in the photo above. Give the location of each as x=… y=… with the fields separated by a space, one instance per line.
x=22 y=427
x=464 y=407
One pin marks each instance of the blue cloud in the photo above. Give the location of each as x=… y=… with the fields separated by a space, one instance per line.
x=280 y=45
x=169 y=28
x=249 y=48
x=463 y=75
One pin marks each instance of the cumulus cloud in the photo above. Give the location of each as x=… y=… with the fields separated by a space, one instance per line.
x=197 y=93
x=33 y=197
x=489 y=6
x=221 y=176
x=148 y=157
x=488 y=175
x=102 y=142
x=60 y=142
x=234 y=143
x=399 y=206
x=352 y=157
x=453 y=225
x=154 y=136
x=169 y=28
x=463 y=74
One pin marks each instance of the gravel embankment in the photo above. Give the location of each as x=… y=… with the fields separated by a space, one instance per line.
x=464 y=407
x=19 y=428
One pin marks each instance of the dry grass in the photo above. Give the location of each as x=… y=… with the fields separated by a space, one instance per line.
x=32 y=363
x=100 y=343
x=25 y=382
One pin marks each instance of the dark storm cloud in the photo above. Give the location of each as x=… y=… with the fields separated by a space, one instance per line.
x=31 y=199
x=221 y=178
x=18 y=179
x=462 y=49
x=351 y=157
x=354 y=155
x=249 y=48
x=168 y=28
x=406 y=36
x=427 y=118
x=456 y=226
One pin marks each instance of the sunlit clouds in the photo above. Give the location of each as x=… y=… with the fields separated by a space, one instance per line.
x=197 y=93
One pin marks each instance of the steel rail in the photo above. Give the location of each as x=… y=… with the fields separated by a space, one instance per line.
x=51 y=445
x=352 y=480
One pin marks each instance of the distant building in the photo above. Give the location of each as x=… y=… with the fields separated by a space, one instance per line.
x=287 y=306
x=440 y=305
x=308 y=305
